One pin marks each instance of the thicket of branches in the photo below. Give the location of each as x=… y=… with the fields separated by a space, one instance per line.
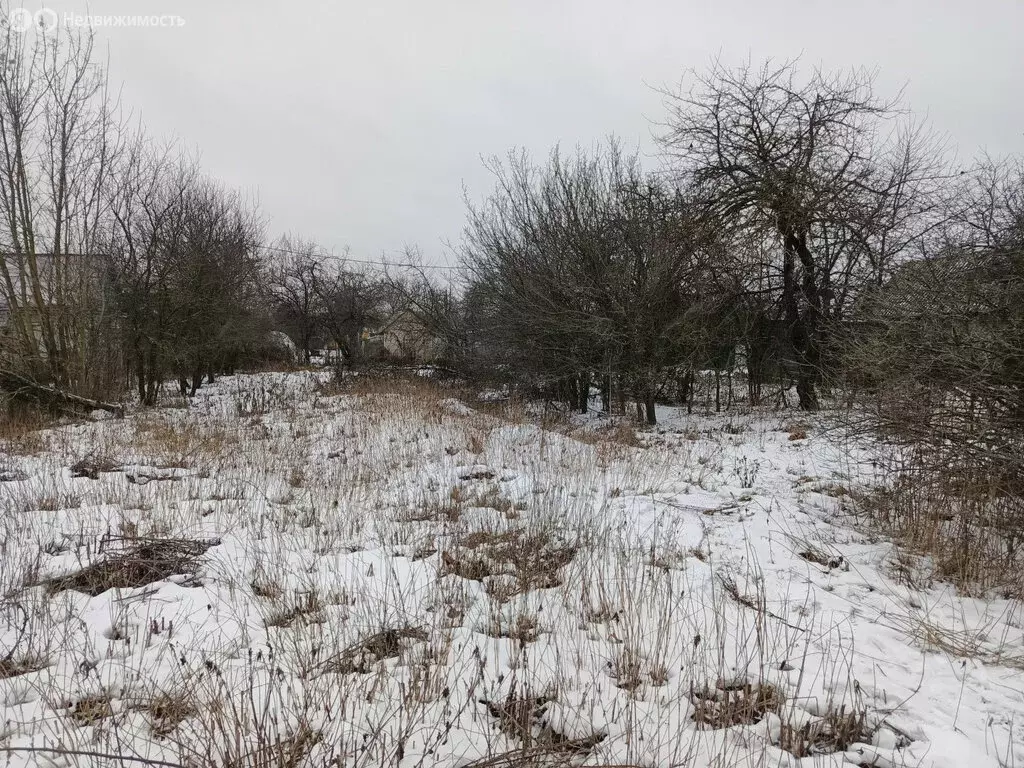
x=119 y=260
x=782 y=199
x=806 y=234
x=939 y=374
x=318 y=299
x=184 y=271
x=121 y=264
x=801 y=232
x=589 y=269
x=57 y=142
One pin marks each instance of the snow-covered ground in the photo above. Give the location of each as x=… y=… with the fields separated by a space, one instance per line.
x=282 y=575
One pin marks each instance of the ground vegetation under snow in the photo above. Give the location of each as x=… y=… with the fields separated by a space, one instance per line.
x=290 y=572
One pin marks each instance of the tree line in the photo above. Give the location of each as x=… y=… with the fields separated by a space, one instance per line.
x=122 y=265
x=807 y=235
x=766 y=242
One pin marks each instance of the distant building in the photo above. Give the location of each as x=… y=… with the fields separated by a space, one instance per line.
x=73 y=289
x=403 y=337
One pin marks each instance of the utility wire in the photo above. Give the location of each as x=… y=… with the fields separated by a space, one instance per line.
x=382 y=263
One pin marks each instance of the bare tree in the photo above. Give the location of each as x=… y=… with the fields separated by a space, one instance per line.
x=59 y=141
x=817 y=167
x=352 y=301
x=433 y=301
x=537 y=251
x=298 y=272
x=940 y=361
x=216 y=282
x=590 y=268
x=185 y=270
x=147 y=209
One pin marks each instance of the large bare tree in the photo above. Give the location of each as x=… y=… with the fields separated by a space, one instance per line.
x=818 y=167
x=59 y=139
x=588 y=268
x=298 y=270
x=186 y=273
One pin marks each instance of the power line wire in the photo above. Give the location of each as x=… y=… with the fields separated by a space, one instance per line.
x=382 y=263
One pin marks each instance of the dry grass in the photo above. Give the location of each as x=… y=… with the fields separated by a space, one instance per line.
x=517 y=715
x=24 y=665
x=303 y=608
x=304 y=694
x=52 y=502
x=631 y=671
x=983 y=641
x=92 y=466
x=399 y=387
x=475 y=443
x=296 y=477
x=833 y=733
x=364 y=656
x=544 y=756
x=492 y=498
x=732 y=589
x=620 y=432
x=438 y=510
x=520 y=716
x=168 y=710
x=265 y=587
x=522 y=627
x=818 y=553
x=21 y=429
x=183 y=444
x=726 y=705
x=143 y=562
x=509 y=563
x=90 y=710
x=964 y=535
x=285 y=751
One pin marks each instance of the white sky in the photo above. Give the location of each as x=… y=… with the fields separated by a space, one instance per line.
x=359 y=123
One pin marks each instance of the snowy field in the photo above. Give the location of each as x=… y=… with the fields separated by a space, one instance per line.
x=282 y=575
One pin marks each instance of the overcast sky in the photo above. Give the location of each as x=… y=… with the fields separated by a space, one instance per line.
x=357 y=124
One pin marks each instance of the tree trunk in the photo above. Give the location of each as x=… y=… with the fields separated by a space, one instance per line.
x=753 y=387
x=140 y=372
x=806 y=393
x=152 y=379
x=688 y=390
x=757 y=356
x=803 y=326
x=650 y=407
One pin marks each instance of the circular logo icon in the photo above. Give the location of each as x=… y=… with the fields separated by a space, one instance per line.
x=21 y=19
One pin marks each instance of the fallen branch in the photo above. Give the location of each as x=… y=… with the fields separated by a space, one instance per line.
x=26 y=388
x=61 y=751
